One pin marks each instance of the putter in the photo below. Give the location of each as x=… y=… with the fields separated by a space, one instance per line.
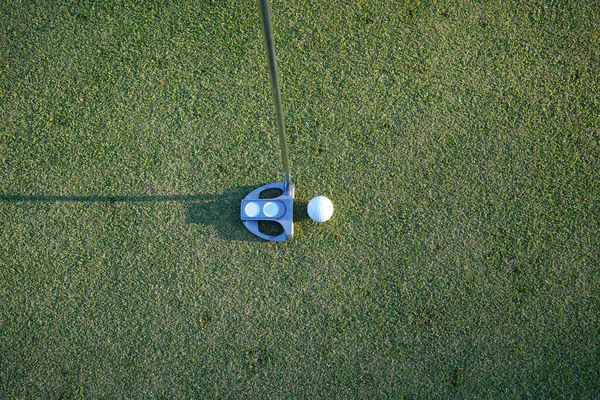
x=279 y=209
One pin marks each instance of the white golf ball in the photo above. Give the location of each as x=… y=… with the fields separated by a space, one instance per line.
x=320 y=209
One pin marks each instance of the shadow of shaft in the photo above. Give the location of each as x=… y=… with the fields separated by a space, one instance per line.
x=105 y=199
x=222 y=211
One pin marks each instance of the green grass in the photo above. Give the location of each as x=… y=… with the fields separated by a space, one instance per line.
x=459 y=142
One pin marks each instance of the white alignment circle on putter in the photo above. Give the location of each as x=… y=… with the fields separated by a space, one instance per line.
x=271 y=209
x=252 y=209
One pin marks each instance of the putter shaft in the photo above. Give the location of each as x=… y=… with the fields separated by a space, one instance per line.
x=265 y=15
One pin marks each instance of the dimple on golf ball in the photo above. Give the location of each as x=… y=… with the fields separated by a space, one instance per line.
x=320 y=209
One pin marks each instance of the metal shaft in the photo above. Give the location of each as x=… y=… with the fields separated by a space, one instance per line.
x=265 y=16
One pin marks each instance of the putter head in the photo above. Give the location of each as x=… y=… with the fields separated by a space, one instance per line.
x=279 y=209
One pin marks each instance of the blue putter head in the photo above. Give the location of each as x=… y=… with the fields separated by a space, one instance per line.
x=279 y=209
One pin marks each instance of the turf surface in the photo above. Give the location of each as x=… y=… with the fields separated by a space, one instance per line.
x=459 y=142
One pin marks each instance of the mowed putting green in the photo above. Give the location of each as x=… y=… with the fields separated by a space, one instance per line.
x=458 y=141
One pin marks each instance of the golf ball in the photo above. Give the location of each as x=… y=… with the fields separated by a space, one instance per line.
x=320 y=209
